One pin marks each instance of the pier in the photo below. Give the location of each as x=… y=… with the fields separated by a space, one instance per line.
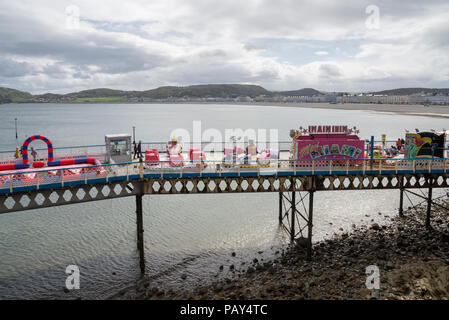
x=295 y=181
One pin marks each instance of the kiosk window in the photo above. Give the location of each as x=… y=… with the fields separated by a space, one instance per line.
x=119 y=147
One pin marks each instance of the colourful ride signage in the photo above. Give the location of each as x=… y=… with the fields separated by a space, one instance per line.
x=328 y=142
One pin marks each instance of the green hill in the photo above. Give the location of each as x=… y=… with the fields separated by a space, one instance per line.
x=8 y=95
x=302 y=92
x=105 y=95
x=409 y=91
x=208 y=90
x=110 y=95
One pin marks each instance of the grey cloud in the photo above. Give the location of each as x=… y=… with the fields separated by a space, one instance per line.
x=328 y=71
x=12 y=68
x=218 y=33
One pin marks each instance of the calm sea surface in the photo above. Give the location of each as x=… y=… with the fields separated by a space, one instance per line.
x=184 y=234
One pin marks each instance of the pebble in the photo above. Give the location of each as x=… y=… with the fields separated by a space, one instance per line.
x=338 y=268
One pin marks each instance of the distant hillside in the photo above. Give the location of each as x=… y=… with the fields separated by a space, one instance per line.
x=105 y=95
x=409 y=91
x=302 y=92
x=208 y=90
x=8 y=95
x=111 y=95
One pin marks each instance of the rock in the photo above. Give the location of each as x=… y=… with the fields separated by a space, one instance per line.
x=255 y=260
x=233 y=254
x=221 y=267
x=389 y=265
x=66 y=290
x=375 y=226
x=302 y=242
x=231 y=267
x=184 y=276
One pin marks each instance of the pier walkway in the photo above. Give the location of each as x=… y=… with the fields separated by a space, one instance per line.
x=294 y=181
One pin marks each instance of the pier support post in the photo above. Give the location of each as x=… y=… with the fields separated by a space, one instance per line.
x=401 y=197
x=429 y=202
x=310 y=225
x=293 y=211
x=280 y=207
x=140 y=246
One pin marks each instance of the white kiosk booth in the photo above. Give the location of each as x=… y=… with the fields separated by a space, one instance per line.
x=118 y=148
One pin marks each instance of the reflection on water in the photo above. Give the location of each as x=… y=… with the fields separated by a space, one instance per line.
x=184 y=234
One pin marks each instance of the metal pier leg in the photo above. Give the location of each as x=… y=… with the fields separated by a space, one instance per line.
x=280 y=207
x=401 y=198
x=140 y=246
x=310 y=225
x=429 y=202
x=293 y=212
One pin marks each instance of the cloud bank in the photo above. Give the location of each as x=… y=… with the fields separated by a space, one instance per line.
x=67 y=46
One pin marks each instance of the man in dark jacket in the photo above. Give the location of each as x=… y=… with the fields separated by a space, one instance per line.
x=139 y=150
x=135 y=149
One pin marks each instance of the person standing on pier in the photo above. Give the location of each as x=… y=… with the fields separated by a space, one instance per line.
x=135 y=149
x=33 y=153
x=139 y=150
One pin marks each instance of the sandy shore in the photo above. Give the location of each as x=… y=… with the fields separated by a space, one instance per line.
x=413 y=264
x=412 y=110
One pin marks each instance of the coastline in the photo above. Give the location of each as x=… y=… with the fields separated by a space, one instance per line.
x=434 y=111
x=413 y=262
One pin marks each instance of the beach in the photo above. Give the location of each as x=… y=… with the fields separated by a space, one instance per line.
x=437 y=111
x=413 y=263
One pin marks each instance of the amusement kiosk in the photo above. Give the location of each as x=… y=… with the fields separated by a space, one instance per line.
x=118 y=148
x=427 y=145
x=326 y=142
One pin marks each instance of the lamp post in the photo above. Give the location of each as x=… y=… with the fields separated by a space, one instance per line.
x=17 y=153
x=17 y=137
x=134 y=134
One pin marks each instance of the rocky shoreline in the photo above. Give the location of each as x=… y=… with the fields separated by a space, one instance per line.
x=413 y=263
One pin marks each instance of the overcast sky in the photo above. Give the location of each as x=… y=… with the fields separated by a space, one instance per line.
x=65 y=46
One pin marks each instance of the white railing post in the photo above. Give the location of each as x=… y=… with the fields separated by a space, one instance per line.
x=10 y=183
x=313 y=167
x=414 y=166
x=162 y=172
x=364 y=166
x=62 y=177
x=380 y=167
x=347 y=166
x=141 y=169
x=330 y=166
